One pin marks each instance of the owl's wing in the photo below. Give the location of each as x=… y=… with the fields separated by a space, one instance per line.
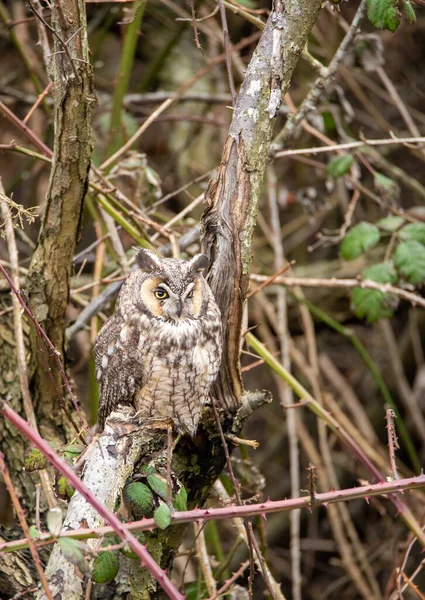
x=117 y=369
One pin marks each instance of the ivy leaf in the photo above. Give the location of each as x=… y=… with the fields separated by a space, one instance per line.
x=413 y=232
x=162 y=516
x=409 y=12
x=180 y=500
x=373 y=304
x=159 y=485
x=105 y=567
x=390 y=223
x=72 y=552
x=340 y=165
x=383 y=14
x=139 y=497
x=360 y=238
x=409 y=258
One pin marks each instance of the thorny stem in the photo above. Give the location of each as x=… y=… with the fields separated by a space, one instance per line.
x=315 y=407
x=383 y=488
x=145 y=558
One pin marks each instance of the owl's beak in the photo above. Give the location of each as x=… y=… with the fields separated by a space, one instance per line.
x=179 y=308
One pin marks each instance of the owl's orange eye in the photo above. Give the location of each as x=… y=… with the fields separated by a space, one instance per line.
x=160 y=294
x=190 y=294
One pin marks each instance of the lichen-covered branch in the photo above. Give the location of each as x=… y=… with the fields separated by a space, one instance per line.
x=229 y=221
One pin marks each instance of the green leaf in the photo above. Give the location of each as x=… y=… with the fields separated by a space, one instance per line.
x=361 y=237
x=35 y=461
x=180 y=501
x=409 y=258
x=409 y=12
x=390 y=223
x=413 y=232
x=105 y=567
x=383 y=14
x=162 y=516
x=159 y=485
x=373 y=304
x=139 y=497
x=340 y=165
x=72 y=552
x=34 y=533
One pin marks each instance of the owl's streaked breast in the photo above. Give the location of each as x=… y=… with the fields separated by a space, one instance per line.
x=180 y=361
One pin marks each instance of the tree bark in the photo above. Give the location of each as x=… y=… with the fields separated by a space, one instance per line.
x=51 y=266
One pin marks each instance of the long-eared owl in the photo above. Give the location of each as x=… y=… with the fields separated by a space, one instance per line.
x=161 y=349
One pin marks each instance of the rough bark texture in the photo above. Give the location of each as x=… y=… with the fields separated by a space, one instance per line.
x=229 y=221
x=51 y=265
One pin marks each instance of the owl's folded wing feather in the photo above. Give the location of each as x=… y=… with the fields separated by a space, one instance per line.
x=118 y=371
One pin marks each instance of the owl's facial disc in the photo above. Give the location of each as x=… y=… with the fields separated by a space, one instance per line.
x=178 y=305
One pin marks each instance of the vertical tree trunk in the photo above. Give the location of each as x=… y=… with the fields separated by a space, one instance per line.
x=51 y=267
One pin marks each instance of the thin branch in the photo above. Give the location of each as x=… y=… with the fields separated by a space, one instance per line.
x=393 y=141
x=333 y=282
x=24 y=525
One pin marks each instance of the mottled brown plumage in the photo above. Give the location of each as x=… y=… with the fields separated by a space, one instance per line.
x=161 y=349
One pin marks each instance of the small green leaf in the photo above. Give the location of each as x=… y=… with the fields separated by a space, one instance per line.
x=409 y=12
x=72 y=552
x=146 y=470
x=159 y=485
x=139 y=497
x=105 y=567
x=340 y=165
x=180 y=501
x=34 y=533
x=73 y=450
x=162 y=516
x=413 y=232
x=383 y=14
x=373 y=304
x=361 y=237
x=390 y=223
x=35 y=461
x=409 y=258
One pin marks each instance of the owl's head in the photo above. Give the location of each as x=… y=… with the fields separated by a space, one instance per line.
x=173 y=289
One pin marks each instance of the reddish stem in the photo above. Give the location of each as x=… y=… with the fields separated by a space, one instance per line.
x=145 y=558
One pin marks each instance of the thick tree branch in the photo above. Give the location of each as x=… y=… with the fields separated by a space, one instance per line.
x=229 y=221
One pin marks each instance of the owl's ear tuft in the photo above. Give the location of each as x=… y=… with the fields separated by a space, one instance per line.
x=148 y=261
x=198 y=263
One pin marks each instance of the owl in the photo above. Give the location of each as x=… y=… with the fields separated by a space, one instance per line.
x=161 y=349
